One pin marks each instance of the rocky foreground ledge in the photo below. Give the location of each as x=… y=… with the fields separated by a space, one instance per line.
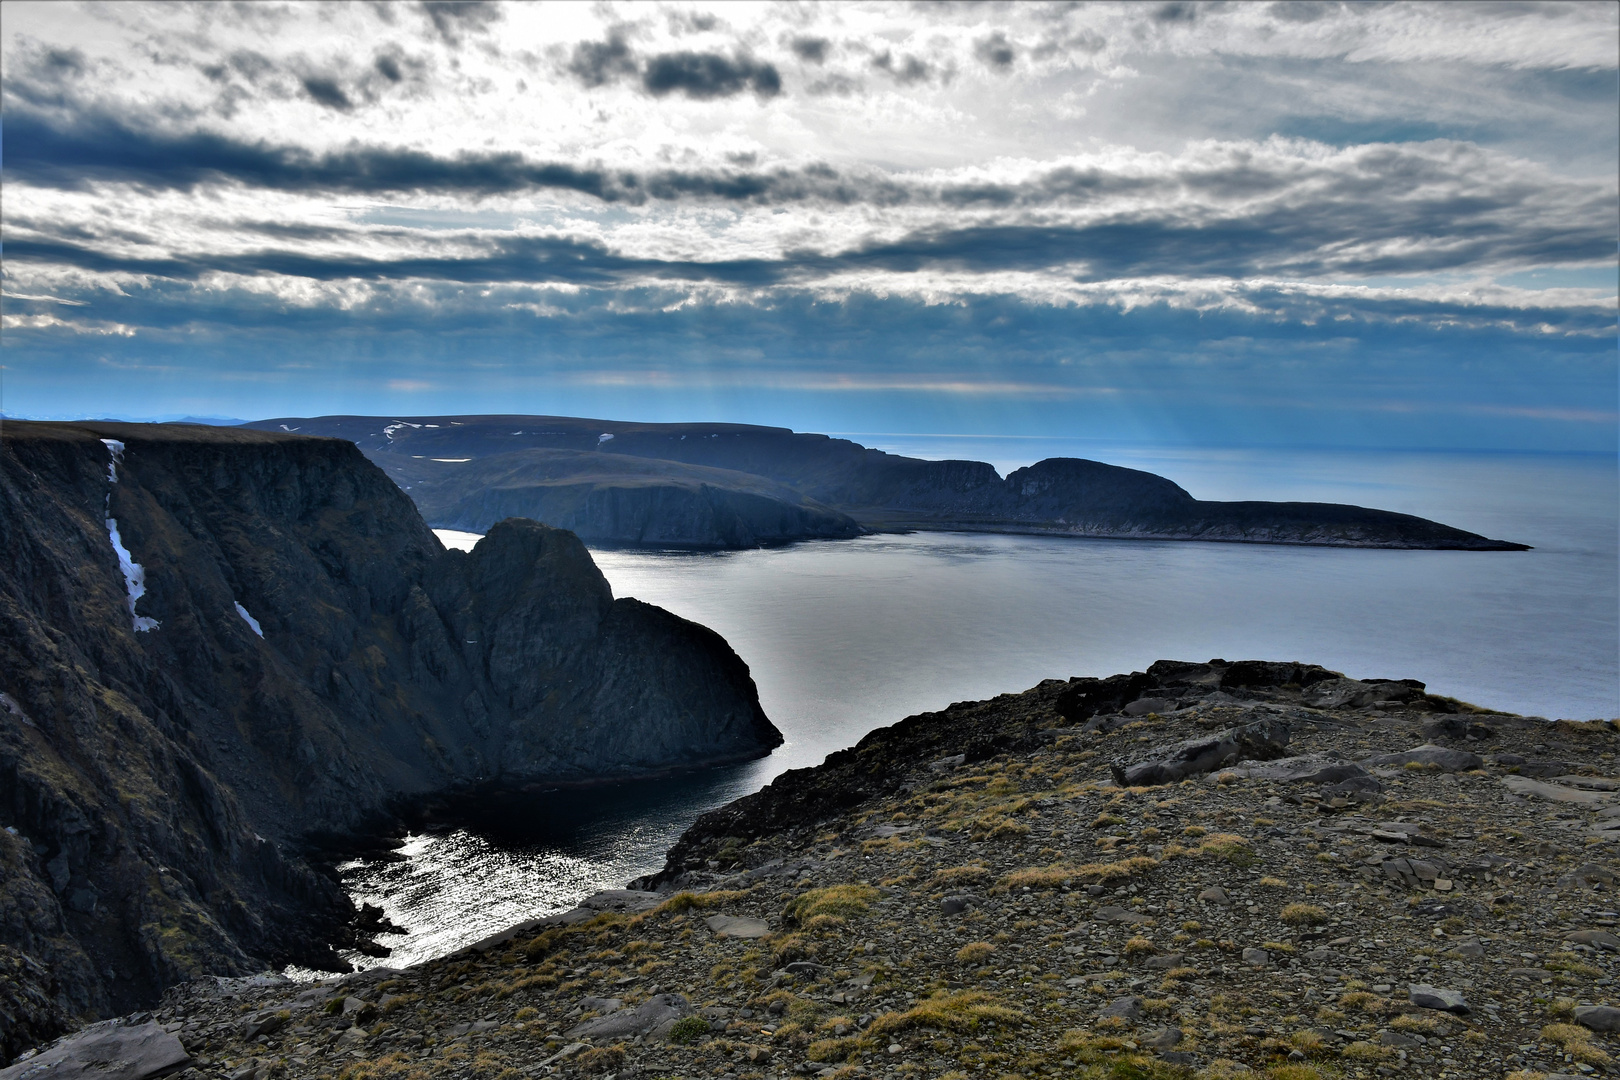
x=1206 y=870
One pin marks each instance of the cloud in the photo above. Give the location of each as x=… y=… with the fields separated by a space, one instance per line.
x=812 y=50
x=700 y=76
x=905 y=70
x=327 y=91
x=451 y=20
x=597 y=63
x=709 y=75
x=995 y=51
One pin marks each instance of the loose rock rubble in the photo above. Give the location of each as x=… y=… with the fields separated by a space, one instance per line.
x=1406 y=886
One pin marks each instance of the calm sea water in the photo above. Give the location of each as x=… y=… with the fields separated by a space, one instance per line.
x=843 y=637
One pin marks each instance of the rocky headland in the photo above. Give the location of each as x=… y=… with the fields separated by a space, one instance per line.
x=222 y=648
x=1198 y=871
x=617 y=499
x=739 y=485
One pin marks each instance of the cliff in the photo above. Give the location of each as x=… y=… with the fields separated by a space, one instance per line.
x=216 y=643
x=736 y=485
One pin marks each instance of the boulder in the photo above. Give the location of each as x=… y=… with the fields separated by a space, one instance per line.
x=1256 y=957
x=1598 y=1017
x=655 y=1016
x=1455 y=727
x=1587 y=876
x=1126 y=1008
x=1439 y=757
x=111 y=1048
x=1165 y=962
x=1143 y=706
x=1425 y=996
x=1598 y=939
x=1263 y=740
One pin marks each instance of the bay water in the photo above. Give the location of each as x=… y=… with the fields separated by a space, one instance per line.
x=846 y=636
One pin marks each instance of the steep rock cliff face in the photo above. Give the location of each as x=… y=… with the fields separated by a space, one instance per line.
x=303 y=653
x=615 y=499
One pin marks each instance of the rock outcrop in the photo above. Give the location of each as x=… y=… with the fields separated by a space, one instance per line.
x=992 y=900
x=738 y=485
x=218 y=643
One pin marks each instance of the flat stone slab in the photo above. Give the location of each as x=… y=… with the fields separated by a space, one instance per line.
x=1309 y=769
x=1113 y=913
x=1425 y=996
x=655 y=1016
x=622 y=900
x=1588 y=783
x=1440 y=757
x=109 y=1049
x=737 y=926
x=1540 y=789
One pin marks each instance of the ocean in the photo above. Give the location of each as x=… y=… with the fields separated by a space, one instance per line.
x=846 y=636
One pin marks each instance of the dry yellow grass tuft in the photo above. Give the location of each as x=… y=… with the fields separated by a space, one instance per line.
x=964 y=1010
x=1303 y=915
x=1139 y=946
x=835 y=902
x=1576 y=1042
x=959 y=875
x=688 y=901
x=976 y=953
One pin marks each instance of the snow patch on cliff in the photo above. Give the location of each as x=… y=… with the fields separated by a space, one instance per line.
x=250 y=620
x=456 y=540
x=134 y=577
x=115 y=453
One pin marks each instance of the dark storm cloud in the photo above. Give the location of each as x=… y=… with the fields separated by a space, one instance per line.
x=699 y=75
x=326 y=91
x=104 y=148
x=812 y=50
x=709 y=75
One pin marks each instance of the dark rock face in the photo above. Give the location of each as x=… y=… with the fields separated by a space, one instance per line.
x=157 y=785
x=640 y=483
x=616 y=499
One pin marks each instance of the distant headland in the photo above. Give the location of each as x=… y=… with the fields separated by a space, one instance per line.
x=740 y=485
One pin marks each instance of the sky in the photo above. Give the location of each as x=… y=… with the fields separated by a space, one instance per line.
x=1253 y=224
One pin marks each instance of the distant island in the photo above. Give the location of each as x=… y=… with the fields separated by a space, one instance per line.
x=740 y=485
